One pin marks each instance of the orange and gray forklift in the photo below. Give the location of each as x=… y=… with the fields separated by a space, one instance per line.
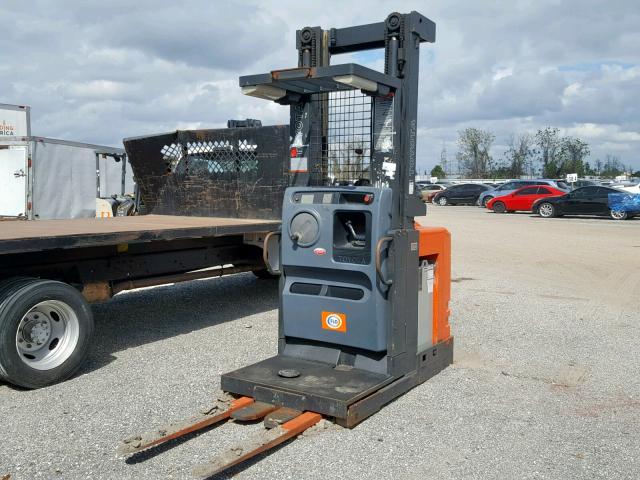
x=364 y=289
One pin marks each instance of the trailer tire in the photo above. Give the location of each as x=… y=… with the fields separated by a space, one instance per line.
x=45 y=332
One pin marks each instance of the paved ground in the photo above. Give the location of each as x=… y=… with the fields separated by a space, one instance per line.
x=546 y=382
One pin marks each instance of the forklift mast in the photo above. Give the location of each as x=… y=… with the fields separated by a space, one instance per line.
x=383 y=123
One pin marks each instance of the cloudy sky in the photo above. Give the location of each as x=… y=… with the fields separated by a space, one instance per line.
x=98 y=71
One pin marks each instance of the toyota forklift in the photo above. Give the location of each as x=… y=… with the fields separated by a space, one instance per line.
x=364 y=289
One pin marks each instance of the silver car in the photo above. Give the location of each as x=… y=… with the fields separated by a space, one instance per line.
x=510 y=187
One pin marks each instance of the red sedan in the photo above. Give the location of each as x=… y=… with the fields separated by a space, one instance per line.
x=523 y=198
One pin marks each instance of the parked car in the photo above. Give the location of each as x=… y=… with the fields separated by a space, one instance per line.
x=457 y=194
x=512 y=186
x=581 y=201
x=523 y=198
x=429 y=191
x=581 y=183
x=628 y=188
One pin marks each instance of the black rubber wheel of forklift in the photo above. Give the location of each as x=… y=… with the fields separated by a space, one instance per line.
x=499 y=207
x=45 y=332
x=265 y=274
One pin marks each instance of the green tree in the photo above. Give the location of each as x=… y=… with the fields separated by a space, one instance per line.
x=438 y=171
x=612 y=167
x=573 y=151
x=548 y=148
x=519 y=154
x=501 y=170
x=598 y=168
x=473 y=151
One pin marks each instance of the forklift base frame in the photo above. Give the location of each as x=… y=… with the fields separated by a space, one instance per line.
x=347 y=395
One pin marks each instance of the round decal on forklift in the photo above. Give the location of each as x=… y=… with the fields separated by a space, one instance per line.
x=319 y=251
x=334 y=321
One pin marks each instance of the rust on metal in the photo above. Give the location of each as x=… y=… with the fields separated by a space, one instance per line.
x=262 y=442
x=181 y=277
x=290 y=73
x=211 y=417
x=254 y=411
x=280 y=416
x=95 y=292
x=229 y=172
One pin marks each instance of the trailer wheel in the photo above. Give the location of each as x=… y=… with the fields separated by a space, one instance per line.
x=45 y=330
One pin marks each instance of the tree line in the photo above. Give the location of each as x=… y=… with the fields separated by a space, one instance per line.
x=544 y=153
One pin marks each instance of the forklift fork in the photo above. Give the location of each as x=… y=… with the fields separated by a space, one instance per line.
x=142 y=442
x=281 y=424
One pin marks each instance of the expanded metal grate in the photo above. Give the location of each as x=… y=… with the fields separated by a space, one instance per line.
x=229 y=172
x=343 y=140
x=212 y=157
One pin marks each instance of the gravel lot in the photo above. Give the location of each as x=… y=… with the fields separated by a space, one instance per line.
x=546 y=382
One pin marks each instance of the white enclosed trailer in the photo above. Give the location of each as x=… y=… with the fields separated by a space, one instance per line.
x=43 y=178
x=15 y=121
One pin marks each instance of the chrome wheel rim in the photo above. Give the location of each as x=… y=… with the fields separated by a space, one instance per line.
x=618 y=215
x=47 y=335
x=442 y=201
x=546 y=210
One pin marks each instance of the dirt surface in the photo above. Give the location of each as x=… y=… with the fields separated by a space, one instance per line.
x=545 y=385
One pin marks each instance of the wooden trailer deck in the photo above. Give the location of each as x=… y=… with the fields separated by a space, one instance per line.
x=39 y=235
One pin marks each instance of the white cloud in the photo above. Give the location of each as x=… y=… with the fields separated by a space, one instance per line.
x=501 y=73
x=101 y=71
x=100 y=89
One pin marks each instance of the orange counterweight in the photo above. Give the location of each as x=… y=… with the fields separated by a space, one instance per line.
x=435 y=246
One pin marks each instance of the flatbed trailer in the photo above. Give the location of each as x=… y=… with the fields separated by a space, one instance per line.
x=27 y=237
x=50 y=270
x=212 y=199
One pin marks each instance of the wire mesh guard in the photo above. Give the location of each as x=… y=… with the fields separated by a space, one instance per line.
x=353 y=139
x=213 y=157
x=343 y=138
